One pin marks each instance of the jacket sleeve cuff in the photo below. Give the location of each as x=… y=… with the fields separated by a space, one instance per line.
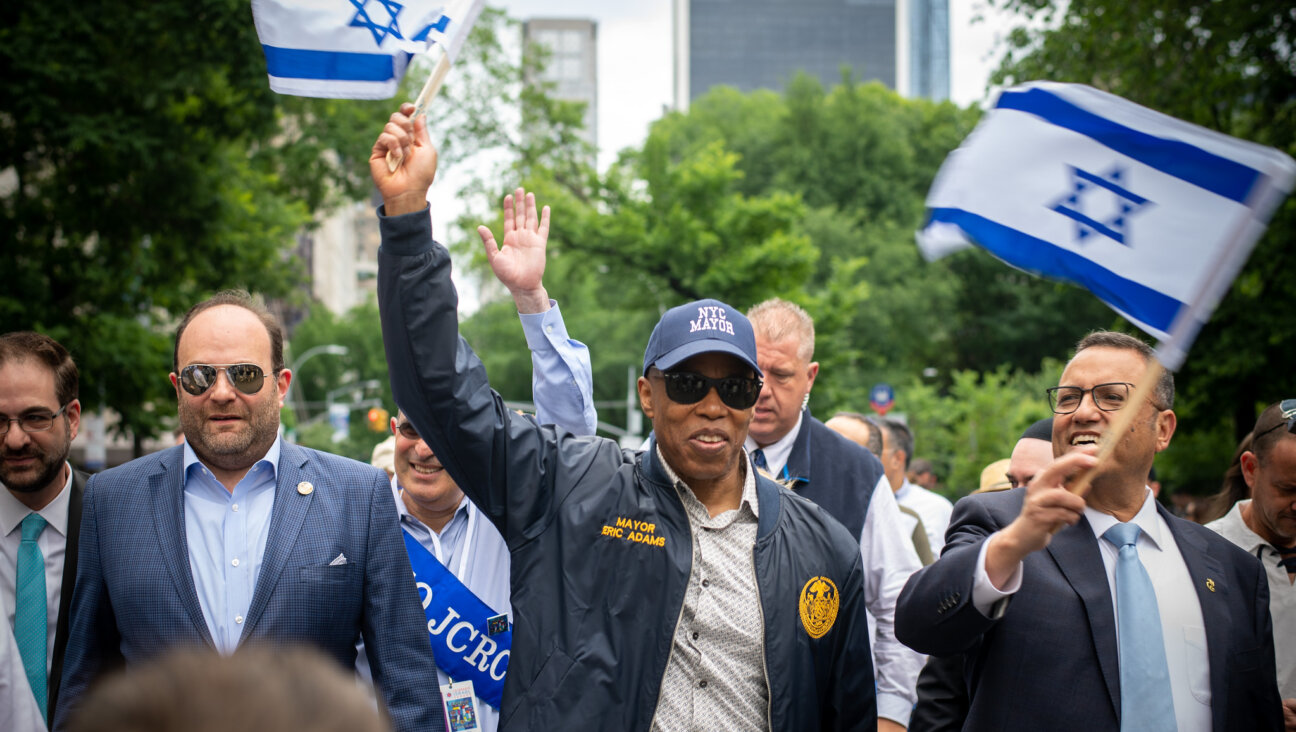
x=407 y=234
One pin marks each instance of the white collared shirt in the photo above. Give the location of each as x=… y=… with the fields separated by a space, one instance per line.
x=889 y=558
x=1282 y=593
x=53 y=545
x=1182 y=628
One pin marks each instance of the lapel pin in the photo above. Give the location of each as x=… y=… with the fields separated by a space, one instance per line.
x=305 y=488
x=1210 y=584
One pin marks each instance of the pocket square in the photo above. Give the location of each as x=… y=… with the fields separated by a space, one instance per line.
x=338 y=561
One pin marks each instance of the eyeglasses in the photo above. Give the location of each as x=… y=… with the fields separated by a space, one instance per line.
x=688 y=387
x=406 y=430
x=37 y=422
x=1288 y=416
x=199 y=377
x=1107 y=397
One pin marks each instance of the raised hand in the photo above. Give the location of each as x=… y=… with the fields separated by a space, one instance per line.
x=1048 y=507
x=404 y=190
x=520 y=263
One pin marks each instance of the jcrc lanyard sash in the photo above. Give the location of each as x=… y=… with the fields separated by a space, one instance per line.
x=460 y=626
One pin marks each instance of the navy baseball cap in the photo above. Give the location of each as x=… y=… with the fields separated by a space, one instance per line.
x=702 y=326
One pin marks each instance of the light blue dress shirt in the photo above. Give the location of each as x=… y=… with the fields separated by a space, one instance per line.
x=227 y=532
x=562 y=381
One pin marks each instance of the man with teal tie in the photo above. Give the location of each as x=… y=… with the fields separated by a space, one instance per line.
x=40 y=510
x=1104 y=612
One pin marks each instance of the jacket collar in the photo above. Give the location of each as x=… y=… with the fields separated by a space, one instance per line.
x=767 y=491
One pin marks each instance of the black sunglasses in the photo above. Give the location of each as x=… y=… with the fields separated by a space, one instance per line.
x=199 y=377
x=1288 y=408
x=688 y=387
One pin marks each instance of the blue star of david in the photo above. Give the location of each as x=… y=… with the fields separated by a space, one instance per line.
x=1088 y=188
x=380 y=32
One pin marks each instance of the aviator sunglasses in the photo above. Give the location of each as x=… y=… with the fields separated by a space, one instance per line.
x=199 y=377
x=688 y=387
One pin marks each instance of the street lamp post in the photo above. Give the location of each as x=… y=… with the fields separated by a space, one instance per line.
x=294 y=391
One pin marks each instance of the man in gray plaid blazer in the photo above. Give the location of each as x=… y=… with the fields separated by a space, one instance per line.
x=238 y=537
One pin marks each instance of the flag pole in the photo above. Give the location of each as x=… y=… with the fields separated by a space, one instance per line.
x=1124 y=419
x=430 y=89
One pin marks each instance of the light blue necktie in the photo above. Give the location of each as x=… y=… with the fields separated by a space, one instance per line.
x=1146 y=701
x=30 y=613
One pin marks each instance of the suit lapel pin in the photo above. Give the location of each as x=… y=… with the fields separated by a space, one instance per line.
x=305 y=488
x=1210 y=584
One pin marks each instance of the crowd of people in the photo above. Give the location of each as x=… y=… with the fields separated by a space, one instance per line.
x=750 y=568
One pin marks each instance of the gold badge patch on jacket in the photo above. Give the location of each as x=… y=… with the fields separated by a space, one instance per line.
x=818 y=604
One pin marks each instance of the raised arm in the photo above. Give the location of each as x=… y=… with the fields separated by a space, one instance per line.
x=562 y=382
x=506 y=463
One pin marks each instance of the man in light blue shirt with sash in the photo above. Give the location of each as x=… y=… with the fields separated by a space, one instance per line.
x=460 y=560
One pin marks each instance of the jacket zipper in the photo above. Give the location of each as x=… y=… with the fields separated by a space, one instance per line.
x=652 y=724
x=769 y=702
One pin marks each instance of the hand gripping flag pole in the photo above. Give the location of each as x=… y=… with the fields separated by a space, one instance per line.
x=425 y=97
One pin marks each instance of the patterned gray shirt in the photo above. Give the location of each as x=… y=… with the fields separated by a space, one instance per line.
x=715 y=677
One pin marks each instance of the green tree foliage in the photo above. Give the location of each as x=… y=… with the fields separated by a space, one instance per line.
x=144 y=163
x=1228 y=66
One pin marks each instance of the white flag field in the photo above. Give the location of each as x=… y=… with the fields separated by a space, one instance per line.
x=355 y=49
x=1152 y=214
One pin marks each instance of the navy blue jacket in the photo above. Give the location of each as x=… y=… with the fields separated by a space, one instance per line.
x=845 y=474
x=600 y=542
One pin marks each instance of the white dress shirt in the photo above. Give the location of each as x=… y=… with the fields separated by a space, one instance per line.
x=889 y=559
x=18 y=710
x=1182 y=627
x=1282 y=593
x=53 y=545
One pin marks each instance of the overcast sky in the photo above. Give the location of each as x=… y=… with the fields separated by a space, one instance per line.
x=635 y=58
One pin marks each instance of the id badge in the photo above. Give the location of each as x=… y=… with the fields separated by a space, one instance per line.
x=460 y=706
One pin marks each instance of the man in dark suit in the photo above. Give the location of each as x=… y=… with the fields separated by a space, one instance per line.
x=1100 y=612
x=41 y=413
x=238 y=537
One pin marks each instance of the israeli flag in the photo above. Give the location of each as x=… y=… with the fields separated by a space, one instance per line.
x=1152 y=214
x=354 y=49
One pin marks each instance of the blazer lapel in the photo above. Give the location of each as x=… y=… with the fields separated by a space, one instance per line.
x=286 y=519
x=1077 y=555
x=1213 y=593
x=167 y=488
x=68 y=583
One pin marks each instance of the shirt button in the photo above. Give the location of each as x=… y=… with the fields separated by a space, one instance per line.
x=235 y=562
x=705 y=583
x=235 y=507
x=549 y=329
x=238 y=619
x=695 y=635
x=702 y=684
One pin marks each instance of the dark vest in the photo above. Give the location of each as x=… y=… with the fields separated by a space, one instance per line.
x=844 y=474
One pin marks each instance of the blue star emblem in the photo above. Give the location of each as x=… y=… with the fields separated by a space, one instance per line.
x=380 y=32
x=1100 y=204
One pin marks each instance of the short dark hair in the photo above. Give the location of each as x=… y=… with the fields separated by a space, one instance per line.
x=1164 y=391
x=1270 y=427
x=242 y=299
x=922 y=465
x=28 y=345
x=901 y=438
x=875 y=432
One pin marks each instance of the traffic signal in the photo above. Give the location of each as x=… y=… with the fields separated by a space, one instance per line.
x=378 y=419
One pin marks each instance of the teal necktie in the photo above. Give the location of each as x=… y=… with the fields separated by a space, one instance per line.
x=1146 y=701
x=30 y=613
